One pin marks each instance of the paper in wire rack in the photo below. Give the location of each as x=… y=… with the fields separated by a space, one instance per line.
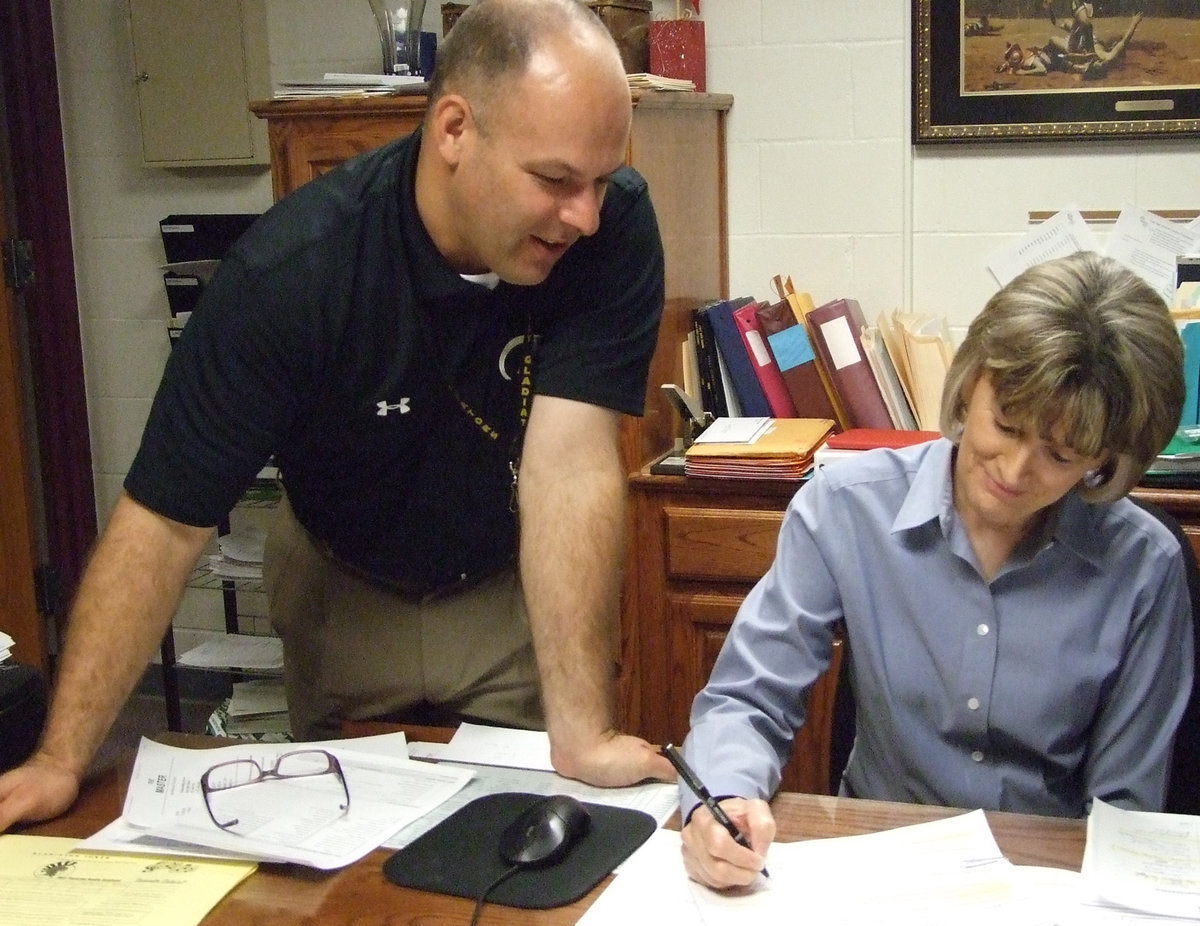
x=236 y=651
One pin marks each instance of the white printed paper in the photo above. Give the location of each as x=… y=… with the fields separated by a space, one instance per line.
x=1063 y=233
x=1148 y=244
x=164 y=802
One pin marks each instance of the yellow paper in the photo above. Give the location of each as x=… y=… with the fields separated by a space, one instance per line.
x=44 y=883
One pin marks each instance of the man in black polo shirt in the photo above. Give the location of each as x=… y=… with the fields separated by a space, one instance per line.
x=436 y=341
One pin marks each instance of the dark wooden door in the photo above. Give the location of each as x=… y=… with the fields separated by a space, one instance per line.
x=34 y=166
x=19 y=616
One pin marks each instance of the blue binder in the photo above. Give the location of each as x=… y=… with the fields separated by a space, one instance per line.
x=737 y=362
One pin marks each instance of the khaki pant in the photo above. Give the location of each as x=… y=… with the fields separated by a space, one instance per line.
x=355 y=649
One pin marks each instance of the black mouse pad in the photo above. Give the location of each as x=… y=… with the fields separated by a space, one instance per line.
x=461 y=855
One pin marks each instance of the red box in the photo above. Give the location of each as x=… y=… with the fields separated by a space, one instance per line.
x=677 y=50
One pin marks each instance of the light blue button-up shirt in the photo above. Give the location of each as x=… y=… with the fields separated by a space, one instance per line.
x=1061 y=679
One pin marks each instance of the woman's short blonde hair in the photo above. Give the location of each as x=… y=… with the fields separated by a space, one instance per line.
x=1083 y=344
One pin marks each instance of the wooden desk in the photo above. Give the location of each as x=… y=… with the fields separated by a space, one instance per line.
x=280 y=895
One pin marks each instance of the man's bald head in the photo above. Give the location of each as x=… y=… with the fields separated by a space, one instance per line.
x=495 y=42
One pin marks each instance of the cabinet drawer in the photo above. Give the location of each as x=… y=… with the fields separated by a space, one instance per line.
x=721 y=544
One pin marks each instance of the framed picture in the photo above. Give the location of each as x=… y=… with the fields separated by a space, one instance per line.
x=1049 y=69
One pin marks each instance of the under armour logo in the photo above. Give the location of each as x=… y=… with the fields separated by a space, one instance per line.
x=385 y=406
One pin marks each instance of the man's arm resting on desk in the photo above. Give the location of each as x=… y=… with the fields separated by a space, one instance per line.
x=127 y=596
x=572 y=492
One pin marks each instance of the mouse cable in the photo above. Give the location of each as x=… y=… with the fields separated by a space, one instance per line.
x=488 y=890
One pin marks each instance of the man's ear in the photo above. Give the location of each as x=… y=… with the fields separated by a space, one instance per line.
x=448 y=126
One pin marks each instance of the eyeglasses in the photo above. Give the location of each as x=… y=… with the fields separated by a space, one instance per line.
x=230 y=807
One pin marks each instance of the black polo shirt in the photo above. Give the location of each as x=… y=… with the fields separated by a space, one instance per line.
x=337 y=338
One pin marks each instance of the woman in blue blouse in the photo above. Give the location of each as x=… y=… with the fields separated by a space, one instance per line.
x=1020 y=631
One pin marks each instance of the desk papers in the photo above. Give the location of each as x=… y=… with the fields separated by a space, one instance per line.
x=1144 y=861
x=482 y=745
x=164 y=805
x=944 y=873
x=658 y=799
x=1139 y=868
x=44 y=883
x=503 y=759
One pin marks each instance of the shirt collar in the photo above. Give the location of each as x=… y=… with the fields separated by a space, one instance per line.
x=433 y=278
x=1073 y=526
x=931 y=494
x=931 y=497
x=486 y=280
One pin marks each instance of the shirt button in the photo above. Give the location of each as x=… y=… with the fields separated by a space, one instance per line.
x=982 y=630
x=973 y=703
x=977 y=756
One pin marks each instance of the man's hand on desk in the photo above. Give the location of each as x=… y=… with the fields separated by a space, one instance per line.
x=38 y=790
x=613 y=761
x=710 y=855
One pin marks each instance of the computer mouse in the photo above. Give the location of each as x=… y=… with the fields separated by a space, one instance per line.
x=545 y=832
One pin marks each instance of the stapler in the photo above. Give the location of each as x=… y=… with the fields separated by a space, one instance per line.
x=695 y=419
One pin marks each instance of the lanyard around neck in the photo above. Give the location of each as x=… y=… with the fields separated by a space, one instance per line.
x=525 y=386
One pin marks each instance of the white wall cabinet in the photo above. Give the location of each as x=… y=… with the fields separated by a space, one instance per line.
x=198 y=63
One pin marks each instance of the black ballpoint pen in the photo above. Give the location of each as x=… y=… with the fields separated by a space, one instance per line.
x=675 y=757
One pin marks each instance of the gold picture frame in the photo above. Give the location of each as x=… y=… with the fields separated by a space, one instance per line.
x=1084 y=69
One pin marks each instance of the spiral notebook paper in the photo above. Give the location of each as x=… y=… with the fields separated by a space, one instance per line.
x=461 y=856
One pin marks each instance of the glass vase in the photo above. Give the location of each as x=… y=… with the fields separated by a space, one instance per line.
x=399 y=24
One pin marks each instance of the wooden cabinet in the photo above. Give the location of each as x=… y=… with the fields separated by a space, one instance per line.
x=701 y=545
x=677 y=143
x=198 y=64
x=307 y=138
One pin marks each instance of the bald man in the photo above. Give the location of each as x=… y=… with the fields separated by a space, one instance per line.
x=436 y=343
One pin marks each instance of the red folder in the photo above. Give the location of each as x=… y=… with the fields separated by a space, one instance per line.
x=763 y=362
x=870 y=438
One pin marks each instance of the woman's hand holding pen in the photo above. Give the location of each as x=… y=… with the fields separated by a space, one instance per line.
x=710 y=854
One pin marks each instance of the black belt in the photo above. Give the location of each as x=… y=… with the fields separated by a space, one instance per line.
x=413 y=590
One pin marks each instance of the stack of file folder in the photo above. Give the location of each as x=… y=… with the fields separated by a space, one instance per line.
x=643 y=81
x=757 y=448
x=348 y=85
